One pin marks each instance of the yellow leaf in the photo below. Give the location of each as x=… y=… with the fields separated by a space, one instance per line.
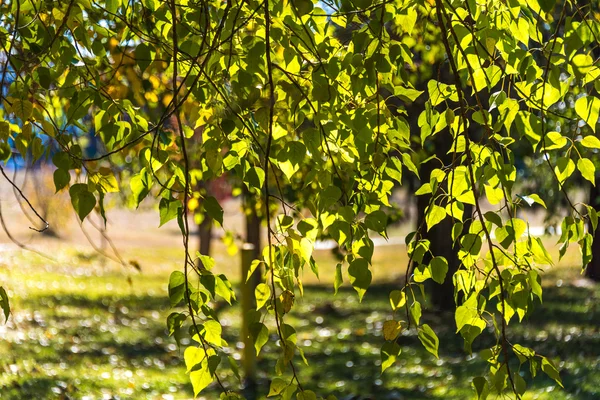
x=287 y=300
x=391 y=329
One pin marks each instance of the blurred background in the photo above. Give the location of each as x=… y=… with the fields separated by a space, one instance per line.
x=90 y=305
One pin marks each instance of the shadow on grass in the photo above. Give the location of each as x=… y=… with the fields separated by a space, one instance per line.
x=340 y=336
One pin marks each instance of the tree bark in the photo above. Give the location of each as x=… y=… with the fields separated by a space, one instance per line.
x=253 y=232
x=250 y=251
x=205 y=227
x=205 y=235
x=592 y=271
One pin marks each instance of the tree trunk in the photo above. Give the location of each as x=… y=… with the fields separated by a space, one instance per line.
x=205 y=234
x=442 y=296
x=205 y=227
x=593 y=269
x=253 y=232
x=441 y=244
x=250 y=251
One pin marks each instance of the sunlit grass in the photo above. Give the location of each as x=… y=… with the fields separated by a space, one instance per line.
x=83 y=328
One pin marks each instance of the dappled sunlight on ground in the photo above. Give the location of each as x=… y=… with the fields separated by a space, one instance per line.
x=82 y=327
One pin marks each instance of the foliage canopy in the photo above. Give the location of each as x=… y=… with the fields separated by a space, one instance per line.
x=151 y=97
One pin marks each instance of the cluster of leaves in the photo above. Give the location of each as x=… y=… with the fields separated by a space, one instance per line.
x=312 y=95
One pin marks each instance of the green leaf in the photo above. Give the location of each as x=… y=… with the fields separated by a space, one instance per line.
x=338 y=280
x=582 y=64
x=405 y=19
x=168 y=210
x=235 y=369
x=277 y=386
x=262 y=292
x=255 y=177
x=207 y=261
x=520 y=384
x=494 y=195
x=112 y=6
x=260 y=335
x=174 y=322
x=306 y=395
x=376 y=221
x=593 y=216
x=586 y=249
x=82 y=200
x=466 y=314
x=253 y=266
x=303 y=6
x=5 y=131
x=554 y=140
x=550 y=369
x=429 y=339
x=409 y=94
x=389 y=353
x=360 y=276
x=22 y=109
x=486 y=77
x=397 y=299
x=591 y=142
x=408 y=163
x=193 y=356
x=176 y=287
x=44 y=77
x=415 y=312
x=439 y=92
x=140 y=186
x=222 y=285
x=62 y=160
x=563 y=169
x=394 y=169
x=290 y=158
x=197 y=363
x=439 y=269
x=535 y=282
x=587 y=169
x=533 y=198
x=211 y=331
x=62 y=178
x=588 y=109
x=547 y=5
x=434 y=215
x=289 y=392
x=214 y=160
x=4 y=303
x=481 y=386
x=5 y=152
x=329 y=197
x=214 y=209
x=144 y=56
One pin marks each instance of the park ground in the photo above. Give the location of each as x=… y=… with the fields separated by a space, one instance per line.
x=84 y=327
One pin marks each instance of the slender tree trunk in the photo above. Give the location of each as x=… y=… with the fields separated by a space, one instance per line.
x=253 y=232
x=248 y=304
x=251 y=251
x=205 y=235
x=593 y=269
x=205 y=227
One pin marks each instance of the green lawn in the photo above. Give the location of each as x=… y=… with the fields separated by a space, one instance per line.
x=84 y=330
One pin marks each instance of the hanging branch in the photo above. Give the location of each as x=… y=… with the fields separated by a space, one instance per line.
x=462 y=104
